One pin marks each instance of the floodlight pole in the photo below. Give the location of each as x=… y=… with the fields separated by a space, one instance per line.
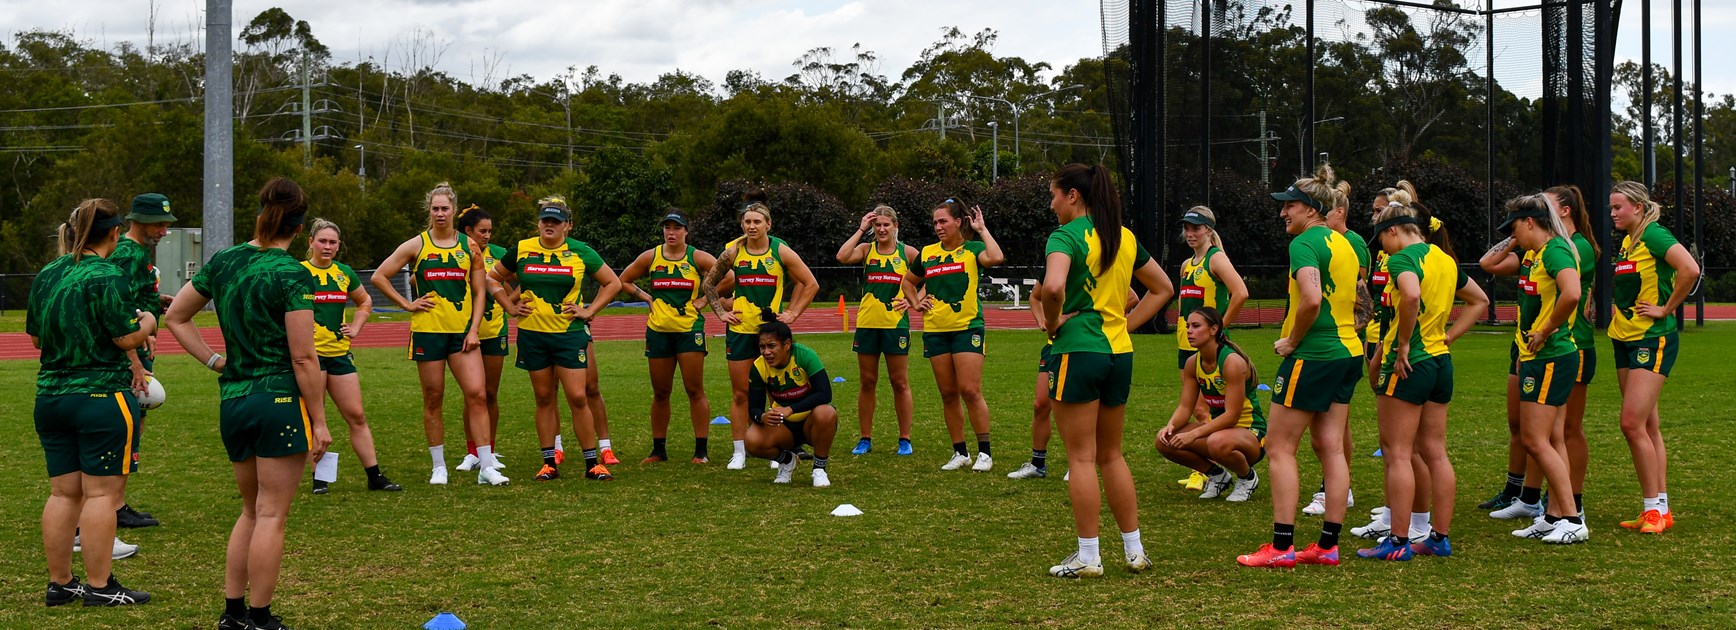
x=1206 y=101
x=1676 y=126
x=1699 y=171
x=1308 y=99
x=219 y=207
x=1489 y=127
x=1648 y=142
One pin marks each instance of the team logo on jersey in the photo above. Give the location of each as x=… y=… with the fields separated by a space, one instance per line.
x=699 y=339
x=976 y=341
x=1218 y=383
x=1278 y=386
x=1383 y=378
x=1643 y=357
x=1051 y=382
x=582 y=358
x=1530 y=384
x=903 y=342
x=796 y=374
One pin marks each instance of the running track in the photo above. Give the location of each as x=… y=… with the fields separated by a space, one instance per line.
x=820 y=319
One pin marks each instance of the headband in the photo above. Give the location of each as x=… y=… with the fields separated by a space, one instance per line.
x=105 y=224
x=1395 y=222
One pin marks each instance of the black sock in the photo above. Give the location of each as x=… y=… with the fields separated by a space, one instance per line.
x=1530 y=496
x=261 y=615
x=958 y=447
x=1322 y=489
x=1437 y=536
x=235 y=607
x=1575 y=519
x=373 y=472
x=1401 y=541
x=701 y=447
x=867 y=440
x=1551 y=519
x=548 y=453
x=1214 y=471
x=983 y=444
x=1579 y=501
x=590 y=458
x=1040 y=459
x=1283 y=536
x=1515 y=481
x=785 y=457
x=1329 y=534
x=658 y=445
x=820 y=462
x=1249 y=476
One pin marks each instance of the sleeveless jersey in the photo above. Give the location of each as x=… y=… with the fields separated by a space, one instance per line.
x=674 y=289
x=1642 y=274
x=444 y=274
x=1198 y=288
x=759 y=284
x=1213 y=388
x=493 y=315
x=331 y=293
x=951 y=278
x=884 y=277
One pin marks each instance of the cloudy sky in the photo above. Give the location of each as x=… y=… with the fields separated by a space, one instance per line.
x=640 y=39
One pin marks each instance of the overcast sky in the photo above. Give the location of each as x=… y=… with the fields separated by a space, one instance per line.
x=641 y=39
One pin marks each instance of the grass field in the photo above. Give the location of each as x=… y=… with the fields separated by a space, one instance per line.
x=680 y=545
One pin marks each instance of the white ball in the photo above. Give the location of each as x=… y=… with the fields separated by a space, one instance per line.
x=154 y=394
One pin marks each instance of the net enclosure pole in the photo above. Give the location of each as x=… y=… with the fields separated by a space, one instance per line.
x=1699 y=170
x=1308 y=104
x=1489 y=126
x=1676 y=112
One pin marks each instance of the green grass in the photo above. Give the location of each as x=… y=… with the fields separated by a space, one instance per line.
x=679 y=545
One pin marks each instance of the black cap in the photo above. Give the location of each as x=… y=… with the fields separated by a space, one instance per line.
x=1507 y=225
x=1295 y=194
x=675 y=216
x=1199 y=219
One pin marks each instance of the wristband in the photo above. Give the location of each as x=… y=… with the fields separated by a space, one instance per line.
x=211 y=363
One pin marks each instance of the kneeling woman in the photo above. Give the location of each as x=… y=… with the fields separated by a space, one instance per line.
x=801 y=413
x=1222 y=376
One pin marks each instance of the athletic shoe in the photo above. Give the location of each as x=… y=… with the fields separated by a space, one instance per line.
x=227 y=622
x=499 y=464
x=1216 y=485
x=560 y=457
x=1669 y=519
x=438 y=478
x=1313 y=554
x=1430 y=547
x=821 y=479
x=114 y=595
x=382 y=484
x=1568 y=532
x=701 y=460
x=785 y=470
x=1640 y=523
x=470 y=463
x=862 y=447
x=1028 y=470
x=276 y=623
x=1377 y=511
x=654 y=458
x=548 y=473
x=1388 y=549
x=62 y=594
x=321 y=487
x=608 y=457
x=1376 y=529
x=904 y=447
x=1244 y=488
x=1653 y=522
x=1538 y=529
x=1073 y=568
x=1196 y=482
x=1138 y=563
x=1519 y=509
x=490 y=476
x=121 y=550
x=984 y=463
x=803 y=454
x=1183 y=481
x=128 y=517
x=1316 y=507
x=599 y=473
x=1268 y=557
x=1499 y=501
x=737 y=461
x=959 y=460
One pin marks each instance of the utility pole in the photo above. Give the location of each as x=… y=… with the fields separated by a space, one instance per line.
x=306 y=111
x=995 y=154
x=942 y=121
x=362 y=167
x=567 y=103
x=1265 y=157
x=219 y=206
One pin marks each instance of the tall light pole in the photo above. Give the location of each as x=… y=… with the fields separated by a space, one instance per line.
x=995 y=154
x=362 y=167
x=1019 y=107
x=219 y=206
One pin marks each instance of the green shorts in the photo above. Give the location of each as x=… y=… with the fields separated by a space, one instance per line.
x=1081 y=377
x=1513 y=359
x=893 y=341
x=264 y=425
x=665 y=345
x=1657 y=354
x=938 y=343
x=1043 y=357
x=1181 y=357
x=1548 y=381
x=541 y=350
x=1316 y=384
x=435 y=346
x=797 y=426
x=94 y=434
x=1587 y=366
x=338 y=365
x=1430 y=381
x=496 y=346
x=740 y=346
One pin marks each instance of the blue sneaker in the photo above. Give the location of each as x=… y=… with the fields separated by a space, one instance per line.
x=1388 y=549
x=1430 y=547
x=862 y=447
x=904 y=447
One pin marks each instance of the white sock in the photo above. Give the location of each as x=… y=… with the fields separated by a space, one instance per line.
x=326 y=469
x=1130 y=544
x=603 y=443
x=486 y=455
x=741 y=447
x=1088 y=553
x=1419 y=521
x=438 y=453
x=1653 y=503
x=558 y=442
x=1664 y=502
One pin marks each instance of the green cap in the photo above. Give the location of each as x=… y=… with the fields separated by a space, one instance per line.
x=150 y=208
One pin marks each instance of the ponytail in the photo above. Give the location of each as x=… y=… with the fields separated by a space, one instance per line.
x=1569 y=195
x=1216 y=320
x=1098 y=192
x=1217 y=241
x=469 y=217
x=282 y=209
x=90 y=224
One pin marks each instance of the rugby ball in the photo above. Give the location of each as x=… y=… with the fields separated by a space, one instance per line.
x=154 y=394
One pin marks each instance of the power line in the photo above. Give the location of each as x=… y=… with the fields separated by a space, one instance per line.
x=79 y=107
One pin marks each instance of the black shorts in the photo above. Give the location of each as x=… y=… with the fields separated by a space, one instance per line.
x=339 y=365
x=798 y=429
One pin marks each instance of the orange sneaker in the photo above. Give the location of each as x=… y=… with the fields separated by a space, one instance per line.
x=599 y=473
x=1669 y=521
x=608 y=457
x=1268 y=557
x=1653 y=522
x=1313 y=554
x=560 y=457
x=652 y=459
x=1640 y=522
x=548 y=473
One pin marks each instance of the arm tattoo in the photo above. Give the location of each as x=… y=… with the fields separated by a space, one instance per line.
x=724 y=263
x=1364 y=306
x=1499 y=247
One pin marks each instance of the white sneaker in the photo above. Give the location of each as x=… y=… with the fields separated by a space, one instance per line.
x=785 y=470
x=738 y=461
x=821 y=479
x=121 y=550
x=438 y=478
x=959 y=460
x=470 y=462
x=1028 y=470
x=1073 y=568
x=1317 y=506
x=1349 y=499
x=499 y=464
x=1244 y=489
x=1377 y=511
x=774 y=464
x=1538 y=529
x=1375 y=529
x=1138 y=563
x=984 y=463
x=1217 y=484
x=491 y=477
x=1518 y=510
x=1566 y=533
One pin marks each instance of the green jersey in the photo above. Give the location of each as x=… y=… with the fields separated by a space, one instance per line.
x=1333 y=335
x=951 y=277
x=790 y=382
x=1096 y=297
x=142 y=275
x=332 y=286
x=1583 y=334
x=1438 y=282
x=1538 y=295
x=1643 y=274
x=76 y=309
x=252 y=289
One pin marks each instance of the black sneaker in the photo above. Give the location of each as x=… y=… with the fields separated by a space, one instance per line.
x=230 y=622
x=276 y=623
x=381 y=483
x=130 y=518
x=62 y=594
x=1498 y=502
x=321 y=487
x=114 y=595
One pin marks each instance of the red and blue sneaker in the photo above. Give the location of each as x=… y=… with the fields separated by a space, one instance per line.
x=1313 y=554
x=1388 y=549
x=1430 y=547
x=1268 y=557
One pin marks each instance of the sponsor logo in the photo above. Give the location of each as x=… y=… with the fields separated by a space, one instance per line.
x=881 y=277
x=1191 y=292
x=330 y=297
x=941 y=270
x=1530 y=384
x=672 y=283
x=548 y=270
x=1214 y=400
x=1380 y=277
x=1643 y=357
x=792 y=394
x=283 y=399
x=1626 y=267
x=445 y=274
x=435 y=256
x=1528 y=286
x=756 y=280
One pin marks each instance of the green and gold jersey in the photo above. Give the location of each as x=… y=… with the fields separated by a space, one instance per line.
x=950 y=276
x=1584 y=334
x=759 y=284
x=1333 y=335
x=674 y=289
x=1213 y=390
x=1378 y=278
x=1199 y=287
x=1537 y=296
x=883 y=275
x=1642 y=275
x=76 y=309
x=493 y=315
x=1097 y=300
x=143 y=278
x=790 y=382
x=252 y=289
x=1439 y=280
x=331 y=293
x=442 y=273
x=549 y=278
